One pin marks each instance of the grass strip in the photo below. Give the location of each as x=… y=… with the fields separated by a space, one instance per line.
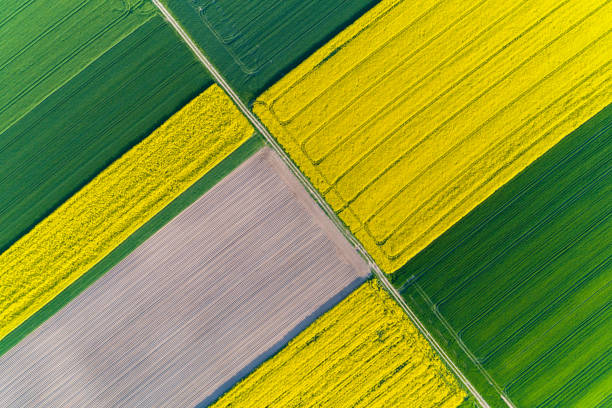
x=190 y=195
x=116 y=203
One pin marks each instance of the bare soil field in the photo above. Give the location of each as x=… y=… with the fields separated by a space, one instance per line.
x=196 y=307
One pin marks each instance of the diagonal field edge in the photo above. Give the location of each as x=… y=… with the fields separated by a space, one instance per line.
x=322 y=203
x=201 y=186
x=125 y=341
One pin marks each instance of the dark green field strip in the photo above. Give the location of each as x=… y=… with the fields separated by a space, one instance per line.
x=596 y=387
x=44 y=45
x=539 y=302
x=255 y=43
x=204 y=184
x=562 y=175
x=82 y=127
x=524 y=282
x=546 y=335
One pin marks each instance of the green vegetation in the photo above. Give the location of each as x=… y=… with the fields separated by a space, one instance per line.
x=83 y=126
x=255 y=43
x=523 y=283
x=44 y=45
x=115 y=203
x=194 y=192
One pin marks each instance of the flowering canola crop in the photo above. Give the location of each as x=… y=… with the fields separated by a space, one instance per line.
x=364 y=352
x=117 y=202
x=420 y=110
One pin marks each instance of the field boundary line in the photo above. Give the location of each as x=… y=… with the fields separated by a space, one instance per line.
x=271 y=141
x=455 y=335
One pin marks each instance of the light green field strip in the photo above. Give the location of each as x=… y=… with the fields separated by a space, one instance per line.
x=117 y=202
x=524 y=282
x=44 y=44
x=416 y=113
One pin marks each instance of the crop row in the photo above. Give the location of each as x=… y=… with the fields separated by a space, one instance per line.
x=416 y=113
x=75 y=132
x=116 y=202
x=200 y=303
x=254 y=43
x=364 y=352
x=523 y=281
x=55 y=43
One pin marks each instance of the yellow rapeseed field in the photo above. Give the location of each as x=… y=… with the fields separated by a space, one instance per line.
x=364 y=352
x=116 y=203
x=420 y=110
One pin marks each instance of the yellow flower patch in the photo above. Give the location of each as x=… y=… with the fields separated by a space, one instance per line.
x=420 y=110
x=364 y=352
x=115 y=203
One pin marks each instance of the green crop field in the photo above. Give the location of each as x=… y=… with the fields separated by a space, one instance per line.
x=108 y=106
x=43 y=46
x=522 y=285
x=462 y=149
x=253 y=43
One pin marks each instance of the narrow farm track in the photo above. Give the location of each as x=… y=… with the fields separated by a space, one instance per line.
x=322 y=203
x=417 y=112
x=254 y=43
x=199 y=305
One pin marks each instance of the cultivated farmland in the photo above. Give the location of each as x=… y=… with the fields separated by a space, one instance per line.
x=165 y=215
x=522 y=285
x=417 y=112
x=43 y=46
x=254 y=43
x=362 y=353
x=115 y=203
x=100 y=112
x=211 y=295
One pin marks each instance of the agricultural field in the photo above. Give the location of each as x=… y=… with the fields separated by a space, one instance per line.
x=417 y=112
x=254 y=43
x=117 y=202
x=165 y=170
x=108 y=104
x=213 y=293
x=43 y=47
x=521 y=287
x=154 y=224
x=362 y=353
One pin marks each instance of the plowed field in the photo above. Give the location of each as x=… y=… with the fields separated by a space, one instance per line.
x=211 y=295
x=362 y=353
x=114 y=204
